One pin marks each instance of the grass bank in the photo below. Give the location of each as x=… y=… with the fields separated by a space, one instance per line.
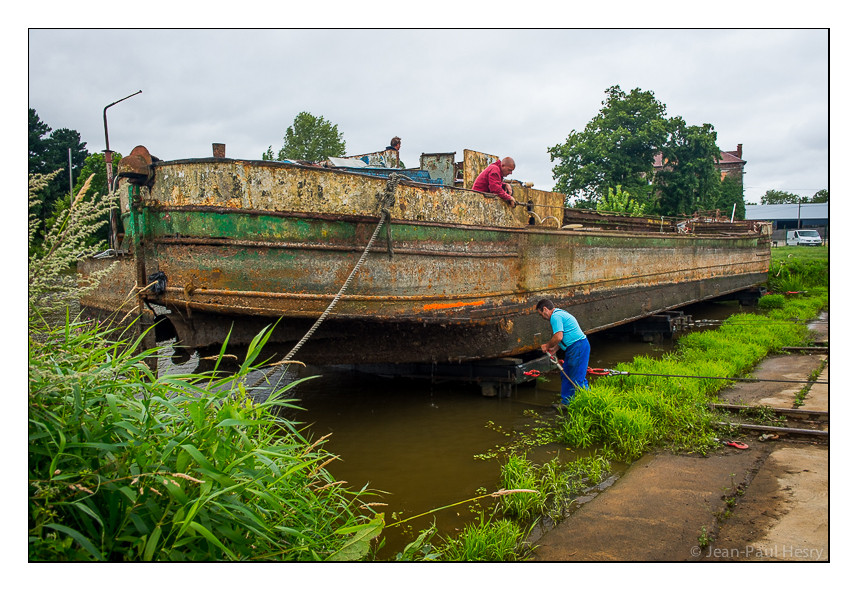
x=627 y=415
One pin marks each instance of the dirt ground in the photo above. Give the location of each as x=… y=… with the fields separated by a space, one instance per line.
x=769 y=502
x=784 y=514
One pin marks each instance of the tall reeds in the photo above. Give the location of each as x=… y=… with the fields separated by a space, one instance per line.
x=51 y=286
x=125 y=465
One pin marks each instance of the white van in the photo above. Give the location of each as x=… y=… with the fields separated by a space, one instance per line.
x=803 y=238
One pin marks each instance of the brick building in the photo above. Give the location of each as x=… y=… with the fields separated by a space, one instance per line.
x=732 y=163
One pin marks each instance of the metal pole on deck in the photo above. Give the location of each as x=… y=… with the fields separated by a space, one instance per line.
x=108 y=161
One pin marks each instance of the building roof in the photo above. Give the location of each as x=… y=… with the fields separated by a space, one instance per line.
x=807 y=211
x=724 y=158
x=729 y=158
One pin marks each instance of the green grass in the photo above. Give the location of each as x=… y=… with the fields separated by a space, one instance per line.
x=519 y=473
x=627 y=415
x=771 y=301
x=803 y=255
x=798 y=269
x=486 y=540
x=124 y=465
x=555 y=483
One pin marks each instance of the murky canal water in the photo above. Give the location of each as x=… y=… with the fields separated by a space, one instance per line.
x=418 y=441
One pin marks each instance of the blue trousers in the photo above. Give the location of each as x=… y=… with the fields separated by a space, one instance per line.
x=576 y=359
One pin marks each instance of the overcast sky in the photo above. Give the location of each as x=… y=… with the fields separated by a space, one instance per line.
x=508 y=92
x=505 y=92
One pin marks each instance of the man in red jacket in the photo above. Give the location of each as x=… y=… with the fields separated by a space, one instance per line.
x=489 y=181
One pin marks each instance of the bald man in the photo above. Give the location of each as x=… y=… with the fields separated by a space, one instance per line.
x=490 y=180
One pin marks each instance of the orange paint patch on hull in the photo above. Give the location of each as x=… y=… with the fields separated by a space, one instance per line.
x=452 y=305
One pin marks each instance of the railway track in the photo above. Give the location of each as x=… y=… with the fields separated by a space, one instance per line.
x=777 y=422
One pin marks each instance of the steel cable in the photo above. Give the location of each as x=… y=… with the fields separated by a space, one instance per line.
x=607 y=372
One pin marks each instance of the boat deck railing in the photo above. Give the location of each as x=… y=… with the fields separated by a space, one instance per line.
x=699 y=224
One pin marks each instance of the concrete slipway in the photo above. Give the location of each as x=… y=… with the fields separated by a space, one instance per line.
x=767 y=503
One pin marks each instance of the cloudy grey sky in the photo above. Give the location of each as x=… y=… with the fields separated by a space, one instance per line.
x=506 y=92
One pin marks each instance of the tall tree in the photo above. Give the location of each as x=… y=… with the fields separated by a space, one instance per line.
x=821 y=196
x=93 y=167
x=688 y=181
x=49 y=153
x=774 y=196
x=36 y=132
x=730 y=195
x=311 y=138
x=617 y=147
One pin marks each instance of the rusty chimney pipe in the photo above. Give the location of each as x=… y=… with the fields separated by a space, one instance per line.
x=219 y=150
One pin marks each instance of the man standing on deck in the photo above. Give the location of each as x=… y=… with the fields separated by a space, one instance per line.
x=395 y=144
x=571 y=340
x=490 y=180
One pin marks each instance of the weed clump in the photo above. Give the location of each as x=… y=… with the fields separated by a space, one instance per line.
x=770 y=301
x=553 y=481
x=485 y=540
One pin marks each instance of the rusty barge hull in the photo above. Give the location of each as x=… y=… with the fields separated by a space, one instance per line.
x=454 y=276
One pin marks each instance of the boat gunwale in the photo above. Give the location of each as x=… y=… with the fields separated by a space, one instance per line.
x=371 y=219
x=608 y=216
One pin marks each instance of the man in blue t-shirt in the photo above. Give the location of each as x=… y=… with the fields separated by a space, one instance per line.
x=568 y=337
